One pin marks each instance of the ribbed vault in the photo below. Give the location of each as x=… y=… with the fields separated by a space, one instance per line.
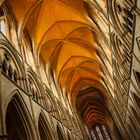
x=70 y=37
x=92 y=107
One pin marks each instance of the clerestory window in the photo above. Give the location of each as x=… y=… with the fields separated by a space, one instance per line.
x=2 y=22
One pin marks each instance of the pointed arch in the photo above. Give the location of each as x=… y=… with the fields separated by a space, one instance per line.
x=36 y=88
x=60 y=133
x=44 y=128
x=7 y=50
x=18 y=121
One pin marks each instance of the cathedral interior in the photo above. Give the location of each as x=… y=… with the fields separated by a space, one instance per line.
x=69 y=69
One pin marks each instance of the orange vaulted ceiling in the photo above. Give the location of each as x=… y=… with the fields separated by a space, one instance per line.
x=67 y=41
x=70 y=37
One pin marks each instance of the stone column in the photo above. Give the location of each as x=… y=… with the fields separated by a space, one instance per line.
x=3 y=134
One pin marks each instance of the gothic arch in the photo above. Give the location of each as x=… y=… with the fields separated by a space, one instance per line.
x=36 y=88
x=121 y=16
x=70 y=121
x=44 y=128
x=27 y=46
x=19 y=126
x=94 y=8
x=121 y=51
x=5 y=45
x=60 y=133
x=49 y=101
x=61 y=113
x=111 y=7
x=11 y=25
x=53 y=105
x=14 y=68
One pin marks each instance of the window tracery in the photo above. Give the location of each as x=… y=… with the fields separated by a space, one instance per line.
x=93 y=135
x=121 y=64
x=106 y=132
x=121 y=52
x=123 y=19
x=100 y=132
x=123 y=56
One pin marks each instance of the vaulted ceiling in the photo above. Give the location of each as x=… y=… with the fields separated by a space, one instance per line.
x=71 y=38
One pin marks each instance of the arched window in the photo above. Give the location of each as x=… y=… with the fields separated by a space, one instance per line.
x=99 y=133
x=18 y=126
x=44 y=129
x=28 y=48
x=2 y=22
x=93 y=135
x=106 y=132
